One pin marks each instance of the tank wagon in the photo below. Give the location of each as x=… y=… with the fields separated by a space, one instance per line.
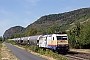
x=56 y=42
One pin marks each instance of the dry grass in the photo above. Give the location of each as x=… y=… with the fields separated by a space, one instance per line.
x=81 y=50
x=6 y=54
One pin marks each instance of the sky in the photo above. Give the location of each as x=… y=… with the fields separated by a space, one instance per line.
x=24 y=12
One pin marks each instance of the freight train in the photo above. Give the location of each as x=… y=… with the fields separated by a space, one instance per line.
x=56 y=42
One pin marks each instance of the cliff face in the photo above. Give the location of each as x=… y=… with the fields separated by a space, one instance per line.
x=12 y=31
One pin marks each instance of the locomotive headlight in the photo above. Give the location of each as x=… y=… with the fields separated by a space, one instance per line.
x=66 y=44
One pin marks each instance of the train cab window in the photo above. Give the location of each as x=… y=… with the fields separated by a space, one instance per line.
x=61 y=37
x=37 y=41
x=53 y=38
x=46 y=39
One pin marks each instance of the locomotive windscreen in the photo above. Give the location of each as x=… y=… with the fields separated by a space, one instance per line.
x=61 y=37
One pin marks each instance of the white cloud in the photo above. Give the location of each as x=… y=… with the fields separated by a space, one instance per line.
x=33 y=1
x=4 y=12
x=4 y=25
x=29 y=3
x=28 y=12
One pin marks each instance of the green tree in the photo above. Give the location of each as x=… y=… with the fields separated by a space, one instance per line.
x=51 y=29
x=0 y=38
x=31 y=31
x=84 y=38
x=74 y=35
x=79 y=36
x=41 y=31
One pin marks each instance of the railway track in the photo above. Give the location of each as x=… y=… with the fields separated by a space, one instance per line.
x=77 y=56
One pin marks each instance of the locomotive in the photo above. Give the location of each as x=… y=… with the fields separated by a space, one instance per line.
x=56 y=42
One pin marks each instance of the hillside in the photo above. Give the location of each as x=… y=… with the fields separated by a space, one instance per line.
x=61 y=20
x=11 y=32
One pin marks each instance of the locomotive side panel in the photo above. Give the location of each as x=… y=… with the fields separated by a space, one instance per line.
x=43 y=41
x=52 y=42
